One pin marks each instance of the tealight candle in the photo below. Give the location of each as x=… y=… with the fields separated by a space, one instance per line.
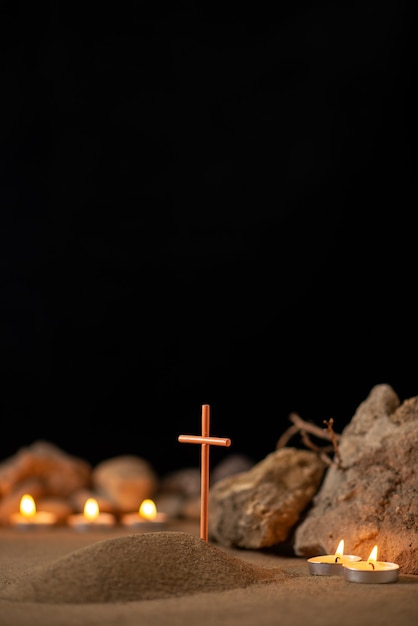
x=91 y=518
x=371 y=571
x=28 y=517
x=146 y=518
x=331 y=564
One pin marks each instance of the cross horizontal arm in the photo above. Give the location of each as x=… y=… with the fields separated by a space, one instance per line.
x=214 y=441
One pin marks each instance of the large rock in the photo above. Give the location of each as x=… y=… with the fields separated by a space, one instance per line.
x=260 y=507
x=373 y=498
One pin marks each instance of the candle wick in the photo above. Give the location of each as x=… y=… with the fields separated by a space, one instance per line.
x=336 y=558
x=371 y=564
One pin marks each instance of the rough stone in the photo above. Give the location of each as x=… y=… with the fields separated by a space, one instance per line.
x=179 y=492
x=44 y=471
x=230 y=465
x=260 y=507
x=61 y=508
x=58 y=472
x=373 y=498
x=125 y=480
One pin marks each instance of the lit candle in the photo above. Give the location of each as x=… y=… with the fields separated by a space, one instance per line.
x=91 y=518
x=28 y=517
x=371 y=571
x=146 y=518
x=331 y=564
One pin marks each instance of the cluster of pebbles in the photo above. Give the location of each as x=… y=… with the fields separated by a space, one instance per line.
x=61 y=483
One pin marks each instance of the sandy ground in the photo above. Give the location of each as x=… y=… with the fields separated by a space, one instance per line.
x=39 y=568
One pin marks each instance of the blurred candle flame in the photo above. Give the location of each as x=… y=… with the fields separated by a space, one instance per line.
x=148 y=510
x=91 y=509
x=340 y=549
x=373 y=555
x=27 y=506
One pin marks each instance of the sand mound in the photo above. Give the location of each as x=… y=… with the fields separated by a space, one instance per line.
x=137 y=567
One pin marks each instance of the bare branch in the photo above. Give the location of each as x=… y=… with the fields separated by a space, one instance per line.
x=287 y=435
x=334 y=437
x=305 y=429
x=321 y=433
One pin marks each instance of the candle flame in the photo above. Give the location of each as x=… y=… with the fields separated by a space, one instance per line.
x=27 y=506
x=148 y=510
x=373 y=555
x=340 y=549
x=91 y=509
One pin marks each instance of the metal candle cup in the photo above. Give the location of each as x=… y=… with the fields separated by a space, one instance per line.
x=371 y=571
x=329 y=564
x=365 y=572
x=146 y=518
x=29 y=517
x=135 y=521
x=41 y=519
x=78 y=521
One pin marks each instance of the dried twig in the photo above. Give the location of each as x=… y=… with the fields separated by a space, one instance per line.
x=334 y=438
x=322 y=452
x=305 y=429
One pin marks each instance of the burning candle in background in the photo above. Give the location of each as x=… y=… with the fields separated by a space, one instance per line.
x=28 y=517
x=331 y=564
x=371 y=571
x=91 y=518
x=146 y=518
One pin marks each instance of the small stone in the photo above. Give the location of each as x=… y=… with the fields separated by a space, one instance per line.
x=232 y=464
x=126 y=481
x=59 y=472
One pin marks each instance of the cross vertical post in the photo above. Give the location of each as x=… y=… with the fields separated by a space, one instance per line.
x=205 y=441
x=204 y=474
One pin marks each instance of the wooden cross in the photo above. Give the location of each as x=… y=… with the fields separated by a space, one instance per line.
x=205 y=440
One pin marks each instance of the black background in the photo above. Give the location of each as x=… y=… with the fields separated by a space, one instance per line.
x=203 y=207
